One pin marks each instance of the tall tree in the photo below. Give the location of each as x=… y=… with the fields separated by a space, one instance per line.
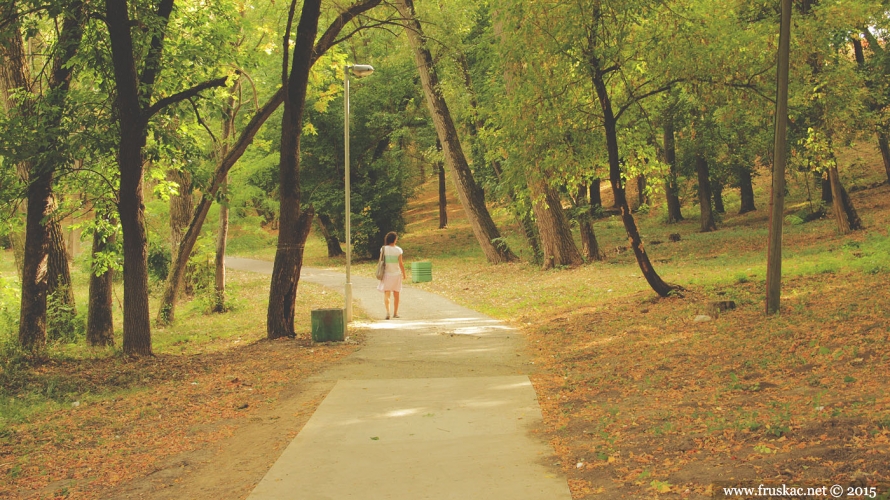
x=45 y=261
x=777 y=199
x=167 y=309
x=100 y=324
x=134 y=108
x=295 y=219
x=471 y=197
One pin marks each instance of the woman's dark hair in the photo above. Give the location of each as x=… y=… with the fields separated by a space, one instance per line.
x=390 y=238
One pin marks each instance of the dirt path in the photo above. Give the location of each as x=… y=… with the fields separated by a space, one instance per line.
x=434 y=339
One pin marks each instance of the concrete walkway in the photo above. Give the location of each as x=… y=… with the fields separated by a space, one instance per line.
x=435 y=405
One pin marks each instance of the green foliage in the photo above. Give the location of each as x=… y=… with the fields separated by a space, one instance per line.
x=63 y=324
x=159 y=259
x=10 y=300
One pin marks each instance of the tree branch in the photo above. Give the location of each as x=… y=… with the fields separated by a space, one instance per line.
x=329 y=38
x=185 y=94
x=637 y=98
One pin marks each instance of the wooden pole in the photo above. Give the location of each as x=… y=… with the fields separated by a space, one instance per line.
x=777 y=202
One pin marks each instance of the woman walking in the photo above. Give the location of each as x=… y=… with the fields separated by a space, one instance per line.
x=393 y=274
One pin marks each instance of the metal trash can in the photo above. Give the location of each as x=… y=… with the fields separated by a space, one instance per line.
x=328 y=325
x=421 y=271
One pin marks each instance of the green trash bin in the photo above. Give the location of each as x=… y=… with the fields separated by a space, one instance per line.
x=421 y=271
x=328 y=325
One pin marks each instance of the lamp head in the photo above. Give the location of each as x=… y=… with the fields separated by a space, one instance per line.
x=361 y=70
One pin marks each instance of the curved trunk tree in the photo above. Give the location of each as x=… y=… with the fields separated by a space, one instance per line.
x=326 y=226
x=295 y=221
x=167 y=309
x=471 y=196
x=610 y=123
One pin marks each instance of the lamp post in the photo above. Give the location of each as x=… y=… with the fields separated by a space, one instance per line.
x=359 y=70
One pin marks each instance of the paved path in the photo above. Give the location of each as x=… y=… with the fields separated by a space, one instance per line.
x=435 y=405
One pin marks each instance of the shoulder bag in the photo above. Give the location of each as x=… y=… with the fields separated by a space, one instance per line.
x=381 y=265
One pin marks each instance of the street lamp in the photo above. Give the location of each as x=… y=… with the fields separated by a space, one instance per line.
x=359 y=70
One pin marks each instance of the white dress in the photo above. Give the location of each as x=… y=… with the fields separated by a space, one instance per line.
x=392 y=274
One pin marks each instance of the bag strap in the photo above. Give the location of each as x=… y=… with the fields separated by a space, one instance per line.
x=381 y=252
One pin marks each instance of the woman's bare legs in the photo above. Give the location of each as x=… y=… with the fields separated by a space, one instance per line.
x=386 y=302
x=395 y=308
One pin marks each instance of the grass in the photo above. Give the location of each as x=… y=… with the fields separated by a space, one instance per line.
x=641 y=395
x=646 y=400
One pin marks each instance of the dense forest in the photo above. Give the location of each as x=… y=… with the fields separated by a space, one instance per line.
x=132 y=123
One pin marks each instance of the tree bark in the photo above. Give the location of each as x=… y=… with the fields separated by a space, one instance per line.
x=443 y=199
x=589 y=246
x=704 y=194
x=827 y=198
x=746 y=189
x=671 y=186
x=42 y=233
x=326 y=225
x=222 y=235
x=885 y=152
x=131 y=210
x=100 y=324
x=181 y=206
x=553 y=226
x=219 y=285
x=642 y=199
x=610 y=123
x=294 y=220
x=596 y=196
x=717 y=194
x=844 y=212
x=471 y=197
x=780 y=150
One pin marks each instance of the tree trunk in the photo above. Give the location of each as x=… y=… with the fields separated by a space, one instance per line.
x=132 y=138
x=704 y=194
x=844 y=212
x=827 y=198
x=780 y=151
x=746 y=189
x=671 y=186
x=219 y=302
x=717 y=193
x=471 y=197
x=326 y=225
x=295 y=221
x=285 y=278
x=32 y=321
x=41 y=232
x=167 y=309
x=596 y=196
x=181 y=206
x=885 y=152
x=589 y=246
x=443 y=200
x=610 y=123
x=100 y=325
x=58 y=271
x=553 y=226
x=642 y=199
x=882 y=135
